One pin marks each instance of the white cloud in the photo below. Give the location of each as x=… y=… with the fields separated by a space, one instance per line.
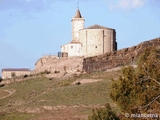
x=137 y=3
x=28 y=0
x=127 y=4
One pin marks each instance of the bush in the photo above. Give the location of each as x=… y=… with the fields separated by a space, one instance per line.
x=1 y=79
x=13 y=74
x=1 y=85
x=138 y=89
x=45 y=72
x=105 y=113
x=25 y=76
x=78 y=83
x=56 y=71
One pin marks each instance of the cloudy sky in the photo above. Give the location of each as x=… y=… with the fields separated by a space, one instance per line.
x=32 y=28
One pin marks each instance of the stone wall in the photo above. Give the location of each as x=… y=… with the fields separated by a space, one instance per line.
x=101 y=62
x=58 y=66
x=117 y=58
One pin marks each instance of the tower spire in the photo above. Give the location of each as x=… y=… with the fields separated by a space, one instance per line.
x=78 y=14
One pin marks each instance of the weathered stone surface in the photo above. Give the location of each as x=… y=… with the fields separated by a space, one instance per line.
x=102 y=62
x=58 y=66
x=117 y=58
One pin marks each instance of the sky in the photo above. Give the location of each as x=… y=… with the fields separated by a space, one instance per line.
x=30 y=29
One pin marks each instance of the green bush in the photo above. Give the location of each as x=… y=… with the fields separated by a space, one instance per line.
x=45 y=72
x=13 y=74
x=105 y=113
x=25 y=76
x=139 y=89
x=56 y=71
x=1 y=79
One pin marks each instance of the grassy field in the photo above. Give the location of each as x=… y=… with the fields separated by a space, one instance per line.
x=42 y=98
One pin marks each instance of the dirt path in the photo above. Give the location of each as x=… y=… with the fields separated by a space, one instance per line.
x=10 y=93
x=83 y=81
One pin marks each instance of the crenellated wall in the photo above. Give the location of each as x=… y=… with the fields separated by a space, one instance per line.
x=117 y=58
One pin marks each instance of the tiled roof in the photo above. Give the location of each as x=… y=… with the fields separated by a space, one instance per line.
x=16 y=69
x=78 y=14
x=98 y=27
x=76 y=42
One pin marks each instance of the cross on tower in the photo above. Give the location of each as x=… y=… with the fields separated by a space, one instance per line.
x=77 y=4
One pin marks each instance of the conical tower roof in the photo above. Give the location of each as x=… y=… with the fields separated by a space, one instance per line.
x=78 y=14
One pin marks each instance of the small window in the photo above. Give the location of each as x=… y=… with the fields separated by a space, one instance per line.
x=71 y=46
x=95 y=46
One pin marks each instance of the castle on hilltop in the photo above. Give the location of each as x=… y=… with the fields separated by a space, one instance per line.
x=90 y=41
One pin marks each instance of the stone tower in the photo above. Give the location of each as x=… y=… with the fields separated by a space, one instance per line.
x=77 y=24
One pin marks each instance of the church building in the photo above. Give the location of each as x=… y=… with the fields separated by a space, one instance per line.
x=90 y=41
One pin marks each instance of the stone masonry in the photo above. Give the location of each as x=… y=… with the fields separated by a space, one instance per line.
x=105 y=61
x=117 y=58
x=58 y=66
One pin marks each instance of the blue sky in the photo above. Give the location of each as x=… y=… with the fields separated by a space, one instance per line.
x=32 y=28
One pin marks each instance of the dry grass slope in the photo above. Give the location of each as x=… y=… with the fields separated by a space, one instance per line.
x=56 y=99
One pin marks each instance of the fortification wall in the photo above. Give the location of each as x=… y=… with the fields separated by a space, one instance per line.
x=101 y=62
x=58 y=66
x=117 y=58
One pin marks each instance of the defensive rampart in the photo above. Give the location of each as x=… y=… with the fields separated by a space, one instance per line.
x=117 y=58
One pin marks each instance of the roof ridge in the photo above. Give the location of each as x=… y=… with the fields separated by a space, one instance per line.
x=16 y=69
x=96 y=26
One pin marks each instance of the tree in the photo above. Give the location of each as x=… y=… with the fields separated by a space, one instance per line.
x=13 y=74
x=138 y=90
x=1 y=79
x=105 y=113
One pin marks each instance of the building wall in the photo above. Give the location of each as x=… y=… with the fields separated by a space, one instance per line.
x=77 y=24
x=73 y=49
x=96 y=41
x=8 y=74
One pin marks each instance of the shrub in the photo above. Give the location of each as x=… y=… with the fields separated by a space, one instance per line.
x=1 y=85
x=65 y=68
x=45 y=72
x=138 y=89
x=56 y=71
x=105 y=113
x=25 y=76
x=1 y=79
x=78 y=83
x=13 y=74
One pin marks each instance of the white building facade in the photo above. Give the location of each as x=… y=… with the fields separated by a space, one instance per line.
x=90 y=41
x=14 y=72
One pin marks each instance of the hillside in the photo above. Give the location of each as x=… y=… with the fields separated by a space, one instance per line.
x=41 y=98
x=49 y=98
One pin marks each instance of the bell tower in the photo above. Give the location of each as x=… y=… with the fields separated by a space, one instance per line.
x=77 y=24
